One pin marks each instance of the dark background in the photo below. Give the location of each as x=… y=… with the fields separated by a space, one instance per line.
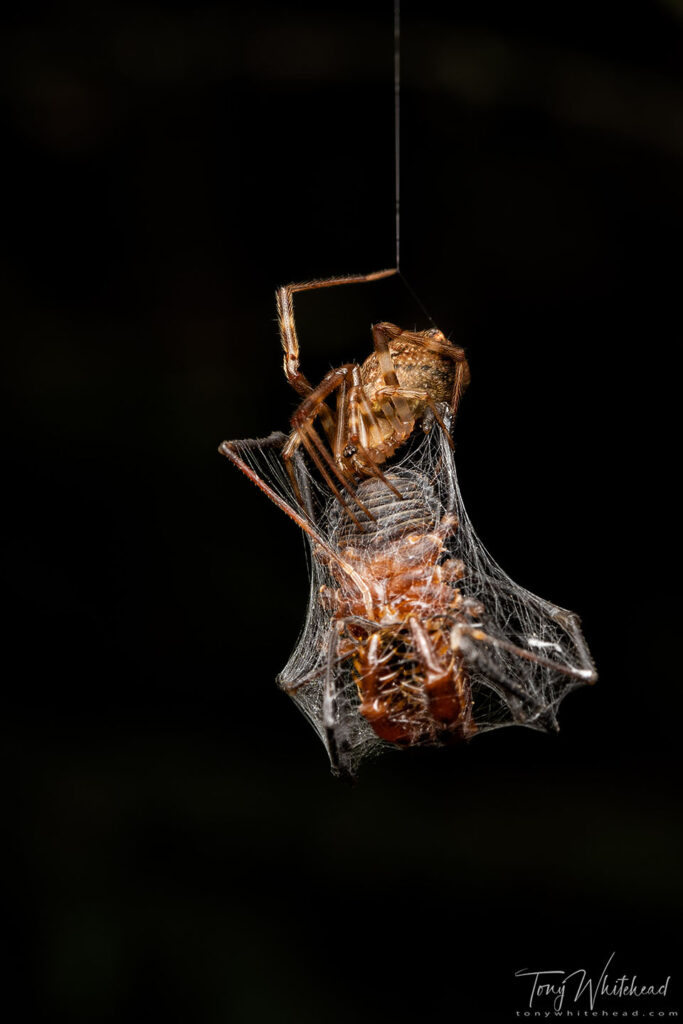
x=179 y=847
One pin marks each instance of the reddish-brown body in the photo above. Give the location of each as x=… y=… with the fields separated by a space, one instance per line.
x=411 y=676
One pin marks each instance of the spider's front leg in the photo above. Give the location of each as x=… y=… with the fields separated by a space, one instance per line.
x=304 y=433
x=451 y=383
x=422 y=397
x=362 y=436
x=435 y=341
x=284 y=298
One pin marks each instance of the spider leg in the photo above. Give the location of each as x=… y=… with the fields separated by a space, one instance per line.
x=400 y=407
x=285 y=312
x=462 y=370
x=314 y=403
x=462 y=376
x=357 y=431
x=339 y=442
x=304 y=433
x=422 y=396
x=441 y=346
x=320 y=456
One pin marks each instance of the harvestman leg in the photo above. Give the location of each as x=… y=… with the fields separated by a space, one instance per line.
x=232 y=450
x=480 y=636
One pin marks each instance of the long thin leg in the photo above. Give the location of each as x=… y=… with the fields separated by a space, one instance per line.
x=434 y=341
x=284 y=298
x=447 y=349
x=311 y=442
x=339 y=442
x=231 y=450
x=357 y=431
x=323 y=550
x=299 y=479
x=401 y=408
x=478 y=634
x=460 y=382
x=422 y=396
x=304 y=433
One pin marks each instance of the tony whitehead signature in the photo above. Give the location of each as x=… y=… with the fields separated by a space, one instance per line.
x=556 y=985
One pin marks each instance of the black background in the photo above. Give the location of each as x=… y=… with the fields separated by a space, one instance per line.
x=179 y=847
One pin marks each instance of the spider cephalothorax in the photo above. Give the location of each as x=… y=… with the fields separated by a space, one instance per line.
x=401 y=383
x=378 y=402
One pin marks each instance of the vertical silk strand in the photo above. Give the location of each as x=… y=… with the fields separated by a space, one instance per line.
x=397 y=127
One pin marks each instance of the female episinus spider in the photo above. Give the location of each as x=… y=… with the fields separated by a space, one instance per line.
x=414 y=636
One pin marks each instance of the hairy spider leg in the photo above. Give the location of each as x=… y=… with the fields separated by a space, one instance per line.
x=340 y=436
x=457 y=354
x=284 y=298
x=459 y=385
x=304 y=433
x=423 y=396
x=357 y=432
x=399 y=407
x=392 y=389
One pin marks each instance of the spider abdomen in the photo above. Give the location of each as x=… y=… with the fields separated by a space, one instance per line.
x=417 y=369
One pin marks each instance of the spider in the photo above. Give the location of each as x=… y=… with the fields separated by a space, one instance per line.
x=414 y=635
x=378 y=403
